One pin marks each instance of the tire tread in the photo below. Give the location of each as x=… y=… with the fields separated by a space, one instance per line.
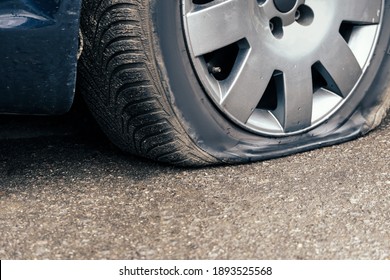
x=120 y=82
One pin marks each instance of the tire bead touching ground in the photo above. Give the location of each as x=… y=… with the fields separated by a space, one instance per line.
x=138 y=80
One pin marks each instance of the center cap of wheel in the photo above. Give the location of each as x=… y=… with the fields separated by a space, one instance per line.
x=285 y=6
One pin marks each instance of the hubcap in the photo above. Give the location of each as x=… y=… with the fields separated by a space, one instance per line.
x=285 y=6
x=280 y=67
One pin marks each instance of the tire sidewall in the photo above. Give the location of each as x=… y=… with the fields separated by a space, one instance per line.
x=215 y=134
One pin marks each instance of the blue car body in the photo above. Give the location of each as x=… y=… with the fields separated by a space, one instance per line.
x=38 y=55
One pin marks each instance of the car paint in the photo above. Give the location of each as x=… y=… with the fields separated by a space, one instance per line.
x=38 y=55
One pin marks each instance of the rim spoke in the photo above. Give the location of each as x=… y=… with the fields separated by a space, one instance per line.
x=245 y=89
x=360 y=11
x=209 y=31
x=294 y=112
x=342 y=66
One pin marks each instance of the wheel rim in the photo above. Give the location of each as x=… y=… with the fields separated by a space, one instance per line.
x=280 y=67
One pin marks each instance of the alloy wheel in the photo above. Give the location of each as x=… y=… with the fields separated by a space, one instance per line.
x=280 y=67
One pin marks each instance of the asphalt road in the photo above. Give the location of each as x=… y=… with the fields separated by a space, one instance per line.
x=76 y=197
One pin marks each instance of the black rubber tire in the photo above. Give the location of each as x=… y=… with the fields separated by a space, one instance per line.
x=138 y=80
